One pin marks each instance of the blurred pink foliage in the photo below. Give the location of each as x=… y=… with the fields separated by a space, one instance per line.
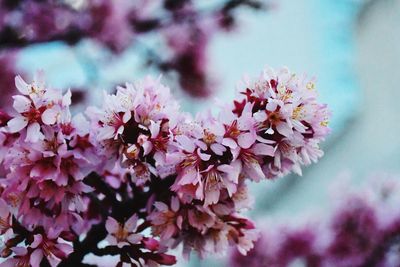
x=184 y=30
x=364 y=230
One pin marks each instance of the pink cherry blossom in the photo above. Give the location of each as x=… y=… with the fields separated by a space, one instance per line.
x=166 y=220
x=122 y=234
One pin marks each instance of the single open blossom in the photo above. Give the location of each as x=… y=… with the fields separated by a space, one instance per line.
x=138 y=163
x=122 y=234
x=167 y=221
x=48 y=247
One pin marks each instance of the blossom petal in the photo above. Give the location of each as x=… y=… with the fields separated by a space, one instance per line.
x=263 y=149
x=284 y=129
x=106 y=132
x=186 y=143
x=33 y=133
x=17 y=124
x=36 y=258
x=21 y=85
x=49 y=116
x=112 y=225
x=246 y=140
x=130 y=224
x=134 y=238
x=21 y=103
x=229 y=142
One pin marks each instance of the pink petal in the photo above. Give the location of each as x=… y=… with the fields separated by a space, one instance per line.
x=211 y=196
x=21 y=85
x=260 y=116
x=154 y=129
x=168 y=232
x=65 y=248
x=271 y=106
x=11 y=262
x=130 y=224
x=127 y=116
x=112 y=225
x=284 y=129
x=254 y=171
x=246 y=140
x=218 y=149
x=203 y=156
x=4 y=210
x=147 y=147
x=33 y=133
x=111 y=240
x=226 y=117
x=161 y=206
x=134 y=238
x=53 y=261
x=20 y=251
x=218 y=129
x=186 y=143
x=66 y=100
x=49 y=116
x=175 y=204
x=189 y=176
x=54 y=232
x=36 y=258
x=263 y=149
x=17 y=124
x=37 y=240
x=229 y=142
x=21 y=103
x=106 y=132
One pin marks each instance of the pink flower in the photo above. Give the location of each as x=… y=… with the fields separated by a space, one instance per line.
x=239 y=131
x=22 y=258
x=201 y=218
x=5 y=219
x=218 y=178
x=122 y=234
x=166 y=220
x=36 y=106
x=252 y=160
x=49 y=247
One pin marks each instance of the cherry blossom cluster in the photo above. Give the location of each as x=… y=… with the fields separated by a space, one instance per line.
x=363 y=230
x=119 y=24
x=137 y=177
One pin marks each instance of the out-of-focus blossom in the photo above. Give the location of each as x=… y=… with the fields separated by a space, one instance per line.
x=363 y=230
x=122 y=24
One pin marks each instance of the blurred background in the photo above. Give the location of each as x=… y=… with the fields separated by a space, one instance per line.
x=203 y=50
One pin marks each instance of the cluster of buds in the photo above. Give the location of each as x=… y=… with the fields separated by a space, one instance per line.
x=363 y=230
x=143 y=176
